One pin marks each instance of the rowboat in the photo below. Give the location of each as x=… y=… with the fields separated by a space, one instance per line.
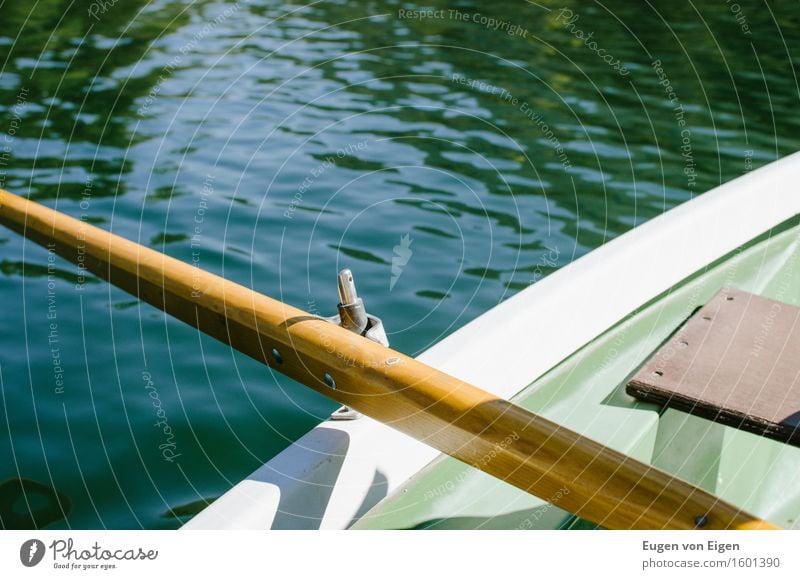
x=521 y=419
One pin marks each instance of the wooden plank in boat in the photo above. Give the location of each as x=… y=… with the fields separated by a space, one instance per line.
x=735 y=361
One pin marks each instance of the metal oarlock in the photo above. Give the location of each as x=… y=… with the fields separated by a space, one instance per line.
x=354 y=317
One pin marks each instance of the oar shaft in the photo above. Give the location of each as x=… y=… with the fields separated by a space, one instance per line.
x=494 y=435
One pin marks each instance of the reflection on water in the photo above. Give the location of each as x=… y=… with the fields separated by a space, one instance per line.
x=449 y=161
x=27 y=504
x=185 y=512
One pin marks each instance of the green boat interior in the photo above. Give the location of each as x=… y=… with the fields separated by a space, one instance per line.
x=587 y=393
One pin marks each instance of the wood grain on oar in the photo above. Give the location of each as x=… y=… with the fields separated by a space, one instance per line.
x=494 y=435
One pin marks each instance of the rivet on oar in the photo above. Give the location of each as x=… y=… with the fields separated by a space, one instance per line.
x=329 y=381
x=277 y=356
x=700 y=521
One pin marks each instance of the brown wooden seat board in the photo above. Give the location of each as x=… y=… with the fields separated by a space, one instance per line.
x=735 y=361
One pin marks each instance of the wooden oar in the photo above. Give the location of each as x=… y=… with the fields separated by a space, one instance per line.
x=494 y=435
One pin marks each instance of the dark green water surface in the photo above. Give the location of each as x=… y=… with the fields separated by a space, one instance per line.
x=475 y=147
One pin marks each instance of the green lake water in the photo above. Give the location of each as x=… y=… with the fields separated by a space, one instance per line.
x=451 y=157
